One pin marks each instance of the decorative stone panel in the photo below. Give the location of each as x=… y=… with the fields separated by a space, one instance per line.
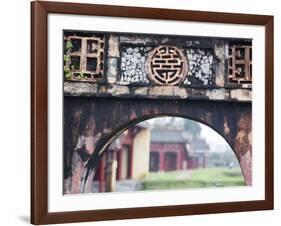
x=167 y=65
x=105 y=64
x=197 y=66
x=201 y=70
x=133 y=70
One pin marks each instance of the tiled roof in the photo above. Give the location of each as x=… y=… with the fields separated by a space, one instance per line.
x=167 y=136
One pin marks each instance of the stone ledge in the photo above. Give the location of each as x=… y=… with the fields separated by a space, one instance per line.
x=241 y=94
x=217 y=94
x=156 y=92
x=79 y=89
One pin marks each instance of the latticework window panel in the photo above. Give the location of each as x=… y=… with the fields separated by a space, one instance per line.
x=84 y=58
x=240 y=64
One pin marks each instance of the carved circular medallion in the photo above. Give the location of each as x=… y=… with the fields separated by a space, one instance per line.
x=167 y=65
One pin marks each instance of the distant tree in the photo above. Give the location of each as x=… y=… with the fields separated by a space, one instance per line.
x=166 y=123
x=216 y=158
x=192 y=127
x=224 y=158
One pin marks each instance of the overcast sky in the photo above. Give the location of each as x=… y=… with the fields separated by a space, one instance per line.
x=216 y=142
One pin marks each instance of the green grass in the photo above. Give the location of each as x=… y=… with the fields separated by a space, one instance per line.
x=209 y=177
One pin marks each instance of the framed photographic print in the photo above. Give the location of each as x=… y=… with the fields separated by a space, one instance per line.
x=147 y=112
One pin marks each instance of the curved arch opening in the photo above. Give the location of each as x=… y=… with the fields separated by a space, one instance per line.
x=166 y=152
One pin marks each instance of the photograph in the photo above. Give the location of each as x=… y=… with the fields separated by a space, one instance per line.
x=129 y=145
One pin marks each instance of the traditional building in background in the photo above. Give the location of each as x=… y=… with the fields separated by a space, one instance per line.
x=125 y=162
x=170 y=150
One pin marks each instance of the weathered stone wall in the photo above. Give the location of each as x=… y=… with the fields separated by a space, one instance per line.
x=127 y=61
x=92 y=123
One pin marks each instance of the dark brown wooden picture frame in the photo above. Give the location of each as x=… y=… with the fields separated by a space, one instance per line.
x=39 y=112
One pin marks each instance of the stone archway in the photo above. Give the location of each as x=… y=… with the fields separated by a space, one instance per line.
x=96 y=123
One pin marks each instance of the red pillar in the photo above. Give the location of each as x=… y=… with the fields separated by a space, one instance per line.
x=119 y=164
x=179 y=159
x=204 y=161
x=102 y=175
x=161 y=159
x=131 y=155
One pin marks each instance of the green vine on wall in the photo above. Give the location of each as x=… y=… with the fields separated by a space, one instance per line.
x=67 y=60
